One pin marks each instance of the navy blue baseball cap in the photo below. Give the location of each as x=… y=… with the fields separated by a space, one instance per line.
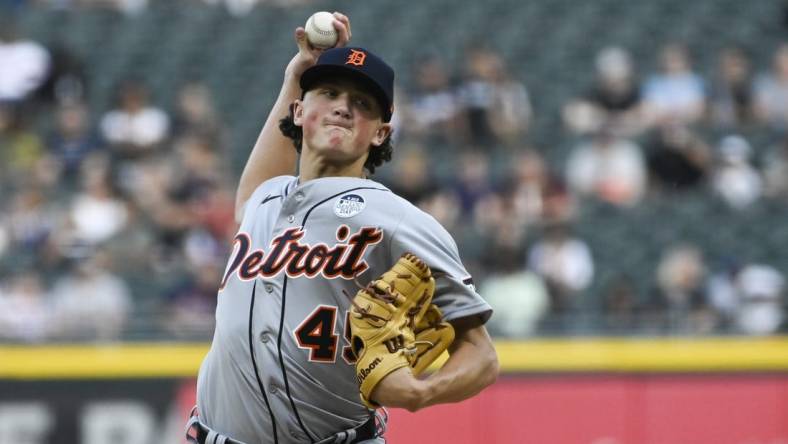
x=362 y=66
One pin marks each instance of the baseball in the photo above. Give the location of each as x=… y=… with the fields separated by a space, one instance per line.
x=320 y=30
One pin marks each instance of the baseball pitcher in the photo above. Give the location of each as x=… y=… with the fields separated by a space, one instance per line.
x=338 y=294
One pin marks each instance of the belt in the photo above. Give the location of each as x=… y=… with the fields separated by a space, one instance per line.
x=364 y=432
x=199 y=433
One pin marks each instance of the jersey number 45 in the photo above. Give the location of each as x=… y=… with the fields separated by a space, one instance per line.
x=316 y=334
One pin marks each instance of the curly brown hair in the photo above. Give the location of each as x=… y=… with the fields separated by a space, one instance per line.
x=378 y=155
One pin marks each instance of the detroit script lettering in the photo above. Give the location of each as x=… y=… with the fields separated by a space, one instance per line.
x=288 y=254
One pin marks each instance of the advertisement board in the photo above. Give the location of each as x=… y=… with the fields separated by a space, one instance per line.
x=551 y=392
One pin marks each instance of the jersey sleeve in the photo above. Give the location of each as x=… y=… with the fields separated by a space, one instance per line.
x=276 y=186
x=455 y=294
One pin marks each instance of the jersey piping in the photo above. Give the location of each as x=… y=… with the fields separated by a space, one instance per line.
x=306 y=216
x=284 y=301
x=254 y=363
x=269 y=198
x=282 y=362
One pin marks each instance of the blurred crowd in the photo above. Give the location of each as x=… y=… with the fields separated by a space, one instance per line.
x=98 y=207
x=117 y=223
x=132 y=7
x=637 y=138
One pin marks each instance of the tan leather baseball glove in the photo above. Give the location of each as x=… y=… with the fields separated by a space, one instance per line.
x=433 y=337
x=394 y=324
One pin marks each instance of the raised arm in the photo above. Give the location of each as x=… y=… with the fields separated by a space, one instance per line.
x=472 y=366
x=273 y=154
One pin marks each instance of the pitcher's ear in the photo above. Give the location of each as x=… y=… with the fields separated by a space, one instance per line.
x=297 y=111
x=381 y=134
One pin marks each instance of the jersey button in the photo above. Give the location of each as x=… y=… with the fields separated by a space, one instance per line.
x=272 y=389
x=269 y=288
x=291 y=218
x=265 y=337
x=299 y=196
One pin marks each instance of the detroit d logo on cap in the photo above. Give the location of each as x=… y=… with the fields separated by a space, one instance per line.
x=349 y=205
x=356 y=57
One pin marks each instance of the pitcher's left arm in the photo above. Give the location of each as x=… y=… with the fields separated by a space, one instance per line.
x=471 y=367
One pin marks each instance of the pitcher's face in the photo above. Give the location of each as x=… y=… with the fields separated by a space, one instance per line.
x=340 y=120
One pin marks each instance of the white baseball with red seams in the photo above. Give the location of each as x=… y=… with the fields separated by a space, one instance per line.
x=320 y=30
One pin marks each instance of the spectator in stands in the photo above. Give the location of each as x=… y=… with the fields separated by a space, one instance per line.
x=136 y=128
x=198 y=165
x=518 y=296
x=776 y=170
x=566 y=265
x=149 y=185
x=559 y=203
x=129 y=6
x=499 y=211
x=201 y=183
x=532 y=183
x=195 y=115
x=723 y=295
x=97 y=212
x=761 y=294
x=412 y=176
x=241 y=8
x=771 y=92
x=237 y=8
x=67 y=81
x=529 y=196
x=125 y=6
x=22 y=147
x=205 y=243
x=135 y=132
x=473 y=181
x=676 y=93
x=748 y=298
x=614 y=100
x=24 y=64
x=134 y=250
x=214 y=226
x=73 y=139
x=620 y=306
x=430 y=113
x=444 y=205
x=678 y=304
x=25 y=309
x=735 y=179
x=495 y=106
x=91 y=303
x=677 y=158
x=170 y=219
x=608 y=168
x=191 y=304
x=731 y=102
x=30 y=220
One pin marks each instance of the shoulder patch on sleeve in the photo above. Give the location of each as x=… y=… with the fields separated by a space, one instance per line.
x=349 y=205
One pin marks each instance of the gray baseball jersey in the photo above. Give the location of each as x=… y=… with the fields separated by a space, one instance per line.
x=280 y=368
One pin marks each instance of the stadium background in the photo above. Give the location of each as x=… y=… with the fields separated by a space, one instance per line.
x=641 y=301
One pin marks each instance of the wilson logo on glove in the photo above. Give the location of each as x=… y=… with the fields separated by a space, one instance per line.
x=394 y=344
x=362 y=375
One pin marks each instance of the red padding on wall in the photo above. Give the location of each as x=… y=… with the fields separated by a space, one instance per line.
x=638 y=409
